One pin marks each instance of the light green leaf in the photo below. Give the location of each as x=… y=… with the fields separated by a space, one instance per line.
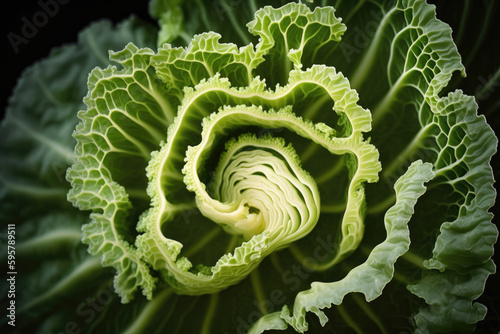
x=374 y=274
x=292 y=37
x=203 y=58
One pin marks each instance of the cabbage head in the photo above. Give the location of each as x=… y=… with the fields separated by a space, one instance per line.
x=250 y=166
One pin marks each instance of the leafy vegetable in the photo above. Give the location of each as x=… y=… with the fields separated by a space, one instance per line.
x=319 y=163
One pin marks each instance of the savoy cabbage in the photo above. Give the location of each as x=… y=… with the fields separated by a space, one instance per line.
x=250 y=166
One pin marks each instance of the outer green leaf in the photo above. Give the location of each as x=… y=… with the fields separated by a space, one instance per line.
x=371 y=277
x=127 y=112
x=51 y=266
x=465 y=146
x=449 y=296
x=35 y=137
x=464 y=246
x=170 y=18
x=54 y=270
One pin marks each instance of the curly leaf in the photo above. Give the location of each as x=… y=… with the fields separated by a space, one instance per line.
x=123 y=123
x=374 y=274
x=128 y=108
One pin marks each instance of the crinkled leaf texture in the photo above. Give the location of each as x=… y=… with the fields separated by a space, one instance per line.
x=315 y=166
x=267 y=205
x=254 y=195
x=54 y=268
x=36 y=143
x=372 y=276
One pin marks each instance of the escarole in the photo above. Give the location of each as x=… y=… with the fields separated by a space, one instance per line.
x=317 y=162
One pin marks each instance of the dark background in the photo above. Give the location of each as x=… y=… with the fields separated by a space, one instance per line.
x=60 y=29
x=71 y=17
